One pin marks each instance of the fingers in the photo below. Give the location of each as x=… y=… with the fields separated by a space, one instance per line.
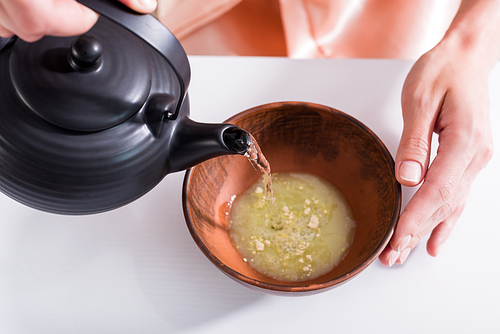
x=439 y=219
x=442 y=222
x=388 y=256
x=443 y=230
x=70 y=18
x=140 y=6
x=435 y=200
x=440 y=233
x=442 y=180
x=30 y=20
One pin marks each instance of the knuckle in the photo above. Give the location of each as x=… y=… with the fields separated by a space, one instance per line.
x=416 y=239
x=480 y=143
x=475 y=135
x=487 y=154
x=415 y=221
x=421 y=98
x=416 y=146
x=479 y=137
x=446 y=191
x=445 y=211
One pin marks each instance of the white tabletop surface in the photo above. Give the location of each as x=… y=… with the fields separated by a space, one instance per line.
x=137 y=269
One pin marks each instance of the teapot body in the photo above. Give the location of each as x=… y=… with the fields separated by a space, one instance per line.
x=80 y=172
x=83 y=135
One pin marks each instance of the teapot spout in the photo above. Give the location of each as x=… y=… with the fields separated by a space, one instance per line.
x=195 y=142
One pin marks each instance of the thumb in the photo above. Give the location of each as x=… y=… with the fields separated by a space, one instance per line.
x=69 y=18
x=413 y=155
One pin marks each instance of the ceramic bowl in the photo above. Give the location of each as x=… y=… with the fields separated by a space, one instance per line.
x=298 y=137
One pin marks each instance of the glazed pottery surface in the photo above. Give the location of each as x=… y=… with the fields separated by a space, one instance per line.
x=298 y=137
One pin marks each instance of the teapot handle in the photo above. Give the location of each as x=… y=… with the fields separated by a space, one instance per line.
x=152 y=31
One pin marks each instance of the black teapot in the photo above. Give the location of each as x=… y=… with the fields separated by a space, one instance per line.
x=93 y=122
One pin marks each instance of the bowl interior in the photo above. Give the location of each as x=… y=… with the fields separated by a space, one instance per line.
x=298 y=137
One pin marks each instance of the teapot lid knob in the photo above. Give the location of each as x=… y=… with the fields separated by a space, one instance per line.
x=84 y=83
x=85 y=53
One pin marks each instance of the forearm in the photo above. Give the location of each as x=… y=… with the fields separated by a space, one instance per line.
x=475 y=33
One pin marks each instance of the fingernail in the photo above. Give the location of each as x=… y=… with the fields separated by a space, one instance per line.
x=404 y=255
x=148 y=4
x=393 y=257
x=410 y=171
x=404 y=242
x=438 y=249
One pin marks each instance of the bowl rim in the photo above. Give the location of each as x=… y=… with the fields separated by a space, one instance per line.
x=311 y=288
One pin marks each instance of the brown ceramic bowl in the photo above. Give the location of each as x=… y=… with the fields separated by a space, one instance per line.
x=298 y=137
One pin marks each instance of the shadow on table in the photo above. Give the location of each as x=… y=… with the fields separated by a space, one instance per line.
x=135 y=269
x=182 y=285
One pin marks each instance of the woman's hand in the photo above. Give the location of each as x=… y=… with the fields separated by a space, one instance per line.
x=30 y=20
x=446 y=92
x=449 y=98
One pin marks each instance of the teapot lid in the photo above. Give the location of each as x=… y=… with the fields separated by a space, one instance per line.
x=88 y=83
x=106 y=75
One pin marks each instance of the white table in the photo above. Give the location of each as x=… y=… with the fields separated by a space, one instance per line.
x=137 y=270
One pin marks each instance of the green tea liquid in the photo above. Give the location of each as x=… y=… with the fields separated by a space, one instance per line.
x=304 y=233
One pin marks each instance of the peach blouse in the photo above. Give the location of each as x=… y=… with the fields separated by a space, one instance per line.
x=403 y=29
